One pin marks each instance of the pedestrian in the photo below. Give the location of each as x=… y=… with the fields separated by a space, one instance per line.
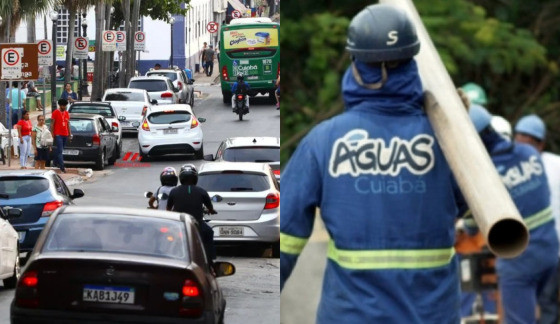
x=202 y=58
x=531 y=130
x=32 y=92
x=24 y=128
x=40 y=139
x=209 y=57
x=61 y=130
x=17 y=100
x=68 y=94
x=522 y=279
x=277 y=92
x=157 y=66
x=385 y=191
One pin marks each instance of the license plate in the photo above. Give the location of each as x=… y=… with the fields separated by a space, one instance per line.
x=71 y=152
x=126 y=124
x=252 y=77
x=170 y=131
x=231 y=231
x=108 y=294
x=21 y=236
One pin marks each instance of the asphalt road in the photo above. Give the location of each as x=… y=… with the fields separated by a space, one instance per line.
x=253 y=293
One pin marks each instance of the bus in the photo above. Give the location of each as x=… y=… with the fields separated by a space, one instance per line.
x=250 y=46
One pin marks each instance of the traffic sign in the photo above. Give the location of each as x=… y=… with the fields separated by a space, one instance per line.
x=236 y=14
x=29 y=61
x=121 y=41
x=212 y=27
x=45 y=52
x=139 y=41
x=11 y=63
x=109 y=41
x=80 y=48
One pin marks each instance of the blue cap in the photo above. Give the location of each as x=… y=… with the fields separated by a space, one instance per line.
x=480 y=117
x=531 y=125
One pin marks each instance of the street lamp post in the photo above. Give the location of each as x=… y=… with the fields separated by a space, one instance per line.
x=84 y=84
x=171 y=22
x=54 y=18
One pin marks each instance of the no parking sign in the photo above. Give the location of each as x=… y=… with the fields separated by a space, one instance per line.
x=81 y=48
x=11 y=63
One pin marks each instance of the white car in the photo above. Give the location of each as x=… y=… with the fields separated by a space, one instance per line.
x=159 y=88
x=180 y=81
x=9 y=252
x=170 y=129
x=131 y=104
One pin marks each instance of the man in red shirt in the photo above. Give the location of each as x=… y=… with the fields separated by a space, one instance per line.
x=60 y=128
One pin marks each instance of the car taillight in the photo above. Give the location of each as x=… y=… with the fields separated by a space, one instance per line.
x=192 y=304
x=194 y=122
x=145 y=126
x=115 y=124
x=180 y=85
x=167 y=95
x=50 y=207
x=96 y=139
x=276 y=172
x=225 y=75
x=144 y=110
x=239 y=97
x=272 y=201
x=26 y=292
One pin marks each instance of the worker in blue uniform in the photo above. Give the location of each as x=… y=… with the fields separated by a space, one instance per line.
x=385 y=191
x=521 y=279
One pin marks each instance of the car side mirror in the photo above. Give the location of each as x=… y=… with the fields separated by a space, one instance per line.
x=11 y=213
x=202 y=119
x=208 y=157
x=122 y=118
x=223 y=269
x=78 y=193
x=191 y=81
x=153 y=102
x=217 y=198
x=175 y=89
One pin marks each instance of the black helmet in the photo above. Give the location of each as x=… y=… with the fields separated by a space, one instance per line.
x=382 y=33
x=168 y=177
x=240 y=77
x=188 y=174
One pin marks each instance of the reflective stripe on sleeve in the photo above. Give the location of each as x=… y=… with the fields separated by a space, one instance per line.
x=390 y=259
x=539 y=218
x=292 y=244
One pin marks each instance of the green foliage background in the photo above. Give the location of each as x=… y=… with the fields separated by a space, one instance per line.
x=511 y=48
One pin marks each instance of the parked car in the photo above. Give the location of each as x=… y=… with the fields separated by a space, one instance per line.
x=38 y=193
x=159 y=88
x=117 y=265
x=171 y=129
x=180 y=81
x=247 y=199
x=104 y=109
x=9 y=247
x=250 y=149
x=93 y=141
x=129 y=104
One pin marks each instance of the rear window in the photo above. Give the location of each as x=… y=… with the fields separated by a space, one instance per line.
x=149 y=85
x=233 y=181
x=169 y=117
x=170 y=75
x=252 y=154
x=22 y=187
x=118 y=234
x=124 y=96
x=103 y=111
x=83 y=126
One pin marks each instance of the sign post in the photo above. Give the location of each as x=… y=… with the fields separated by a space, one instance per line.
x=139 y=41
x=236 y=14
x=81 y=48
x=109 y=41
x=45 y=52
x=212 y=27
x=121 y=41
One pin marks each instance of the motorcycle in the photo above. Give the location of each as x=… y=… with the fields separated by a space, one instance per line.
x=240 y=105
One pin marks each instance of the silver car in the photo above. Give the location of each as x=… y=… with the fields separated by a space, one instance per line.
x=180 y=81
x=159 y=88
x=247 y=199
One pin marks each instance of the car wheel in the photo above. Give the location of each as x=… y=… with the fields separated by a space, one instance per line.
x=199 y=155
x=100 y=163
x=11 y=282
x=114 y=156
x=192 y=100
x=143 y=155
x=276 y=249
x=119 y=150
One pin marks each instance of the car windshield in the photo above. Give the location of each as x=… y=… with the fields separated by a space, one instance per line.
x=82 y=126
x=172 y=117
x=124 y=96
x=118 y=234
x=252 y=154
x=233 y=181
x=171 y=75
x=91 y=109
x=22 y=187
x=149 y=85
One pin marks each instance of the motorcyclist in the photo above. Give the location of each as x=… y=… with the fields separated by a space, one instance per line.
x=189 y=198
x=169 y=179
x=240 y=87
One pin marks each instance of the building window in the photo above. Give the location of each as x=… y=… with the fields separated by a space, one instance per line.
x=140 y=25
x=63 y=24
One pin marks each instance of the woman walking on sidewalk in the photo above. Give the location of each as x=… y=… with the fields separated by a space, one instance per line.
x=24 y=127
x=41 y=151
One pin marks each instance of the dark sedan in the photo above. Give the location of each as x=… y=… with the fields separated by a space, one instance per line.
x=38 y=193
x=94 y=140
x=109 y=265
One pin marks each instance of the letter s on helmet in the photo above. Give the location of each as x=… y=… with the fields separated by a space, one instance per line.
x=382 y=33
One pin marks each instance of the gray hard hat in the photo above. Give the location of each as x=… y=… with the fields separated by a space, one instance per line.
x=382 y=33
